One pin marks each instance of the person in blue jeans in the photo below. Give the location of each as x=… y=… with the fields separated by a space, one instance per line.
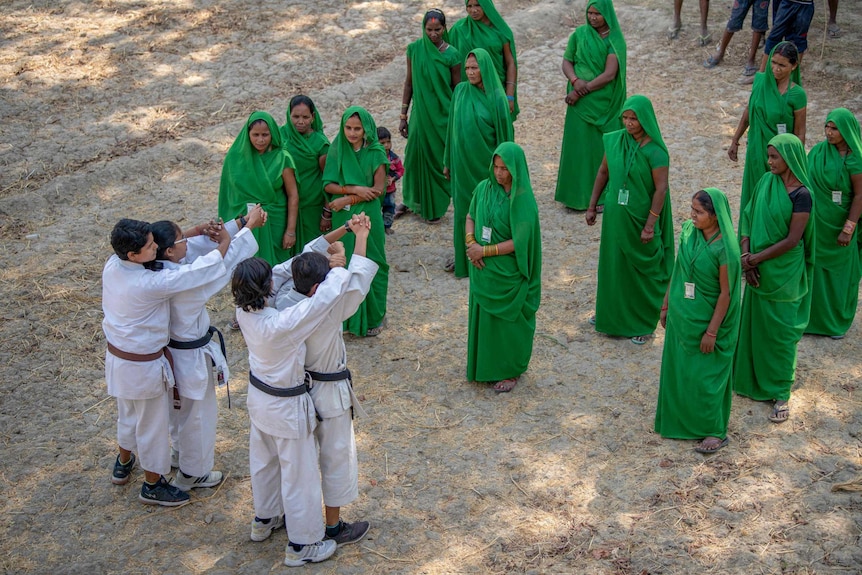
x=790 y=21
x=759 y=26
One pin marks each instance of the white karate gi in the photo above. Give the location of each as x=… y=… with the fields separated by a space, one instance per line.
x=193 y=426
x=137 y=315
x=325 y=353
x=282 y=450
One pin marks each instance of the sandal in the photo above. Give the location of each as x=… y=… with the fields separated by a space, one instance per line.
x=673 y=32
x=639 y=339
x=749 y=70
x=374 y=331
x=705 y=40
x=711 y=62
x=506 y=385
x=722 y=443
x=592 y=319
x=400 y=210
x=434 y=221
x=780 y=413
x=450 y=264
x=834 y=30
x=234 y=324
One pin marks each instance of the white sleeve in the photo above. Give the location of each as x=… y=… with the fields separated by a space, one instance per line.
x=362 y=271
x=319 y=245
x=204 y=270
x=198 y=246
x=242 y=246
x=301 y=320
x=281 y=274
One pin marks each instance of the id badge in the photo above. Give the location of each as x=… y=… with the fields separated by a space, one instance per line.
x=837 y=196
x=689 y=290
x=623 y=197
x=249 y=207
x=346 y=208
x=781 y=128
x=486 y=234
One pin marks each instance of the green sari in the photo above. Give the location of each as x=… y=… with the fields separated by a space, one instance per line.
x=505 y=294
x=775 y=314
x=306 y=150
x=767 y=111
x=837 y=269
x=478 y=122
x=593 y=115
x=695 y=389
x=249 y=177
x=346 y=167
x=632 y=276
x=467 y=34
x=424 y=189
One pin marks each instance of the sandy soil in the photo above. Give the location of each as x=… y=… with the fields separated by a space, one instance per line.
x=126 y=108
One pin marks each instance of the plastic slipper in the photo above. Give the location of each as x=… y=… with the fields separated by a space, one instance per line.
x=834 y=31
x=701 y=449
x=639 y=339
x=234 y=325
x=506 y=385
x=777 y=411
x=450 y=264
x=749 y=70
x=711 y=62
x=673 y=32
x=592 y=320
x=836 y=337
x=705 y=40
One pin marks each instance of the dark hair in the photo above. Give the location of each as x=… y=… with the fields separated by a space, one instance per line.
x=434 y=14
x=705 y=200
x=256 y=122
x=383 y=133
x=251 y=284
x=300 y=99
x=129 y=236
x=165 y=236
x=308 y=268
x=788 y=50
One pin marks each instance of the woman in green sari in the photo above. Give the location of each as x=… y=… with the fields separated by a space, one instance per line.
x=595 y=66
x=777 y=105
x=835 y=170
x=479 y=121
x=304 y=139
x=485 y=28
x=777 y=240
x=504 y=245
x=259 y=170
x=433 y=71
x=636 y=250
x=701 y=316
x=355 y=179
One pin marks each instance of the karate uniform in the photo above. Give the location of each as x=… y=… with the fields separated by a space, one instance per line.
x=137 y=315
x=193 y=426
x=325 y=353
x=282 y=450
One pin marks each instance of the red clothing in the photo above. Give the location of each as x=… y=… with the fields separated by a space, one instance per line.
x=396 y=170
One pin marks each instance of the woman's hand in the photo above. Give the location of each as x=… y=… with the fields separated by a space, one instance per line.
x=511 y=106
x=647 y=234
x=733 y=151
x=746 y=262
x=402 y=128
x=365 y=194
x=288 y=240
x=590 y=216
x=707 y=343
x=663 y=318
x=446 y=172
x=752 y=277
x=843 y=239
x=475 y=252
x=572 y=98
x=255 y=218
x=325 y=224
x=581 y=87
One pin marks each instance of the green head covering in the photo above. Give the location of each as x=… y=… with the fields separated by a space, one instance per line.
x=297 y=141
x=606 y=9
x=793 y=153
x=642 y=106
x=342 y=165
x=731 y=245
x=848 y=127
x=492 y=95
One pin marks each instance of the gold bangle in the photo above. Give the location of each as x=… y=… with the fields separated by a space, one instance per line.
x=403 y=116
x=496 y=249
x=653 y=213
x=470 y=239
x=850 y=223
x=405 y=106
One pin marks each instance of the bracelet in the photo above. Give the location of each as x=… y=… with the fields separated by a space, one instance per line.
x=347 y=228
x=654 y=214
x=711 y=334
x=403 y=116
x=325 y=217
x=510 y=83
x=745 y=254
x=343 y=190
x=664 y=308
x=291 y=234
x=850 y=224
x=242 y=221
x=510 y=98
x=470 y=239
x=405 y=106
x=327 y=210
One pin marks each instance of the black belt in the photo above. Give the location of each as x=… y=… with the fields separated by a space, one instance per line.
x=337 y=376
x=277 y=391
x=198 y=343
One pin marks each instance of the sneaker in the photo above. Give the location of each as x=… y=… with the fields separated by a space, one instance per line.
x=186 y=482
x=350 y=532
x=175 y=458
x=122 y=471
x=261 y=529
x=162 y=493
x=311 y=553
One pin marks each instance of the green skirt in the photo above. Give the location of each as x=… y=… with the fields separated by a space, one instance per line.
x=497 y=349
x=580 y=158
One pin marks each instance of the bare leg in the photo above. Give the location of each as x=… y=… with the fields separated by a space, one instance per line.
x=752 y=49
x=832 y=28
x=763 y=61
x=726 y=37
x=333 y=515
x=704 y=16
x=677 y=14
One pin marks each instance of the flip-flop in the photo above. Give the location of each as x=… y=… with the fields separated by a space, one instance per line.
x=592 y=320
x=834 y=31
x=505 y=385
x=775 y=417
x=836 y=337
x=749 y=70
x=639 y=339
x=723 y=443
x=705 y=40
x=450 y=264
x=234 y=325
x=673 y=32
x=711 y=62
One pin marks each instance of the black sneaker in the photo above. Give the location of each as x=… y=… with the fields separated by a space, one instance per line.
x=162 y=493
x=350 y=532
x=122 y=471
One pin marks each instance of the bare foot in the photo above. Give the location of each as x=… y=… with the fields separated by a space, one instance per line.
x=506 y=385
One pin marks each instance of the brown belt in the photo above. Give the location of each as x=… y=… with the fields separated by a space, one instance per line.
x=117 y=352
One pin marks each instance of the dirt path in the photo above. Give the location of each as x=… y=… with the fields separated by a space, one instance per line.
x=115 y=109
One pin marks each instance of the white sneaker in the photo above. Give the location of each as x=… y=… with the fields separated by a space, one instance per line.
x=261 y=531
x=311 y=553
x=211 y=479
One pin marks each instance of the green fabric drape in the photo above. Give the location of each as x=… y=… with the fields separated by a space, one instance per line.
x=505 y=294
x=346 y=167
x=775 y=314
x=306 y=150
x=837 y=269
x=248 y=176
x=467 y=34
x=695 y=389
x=424 y=189
x=632 y=276
x=767 y=108
x=478 y=122
x=593 y=115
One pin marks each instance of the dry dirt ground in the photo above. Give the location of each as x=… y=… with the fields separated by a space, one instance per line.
x=115 y=108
